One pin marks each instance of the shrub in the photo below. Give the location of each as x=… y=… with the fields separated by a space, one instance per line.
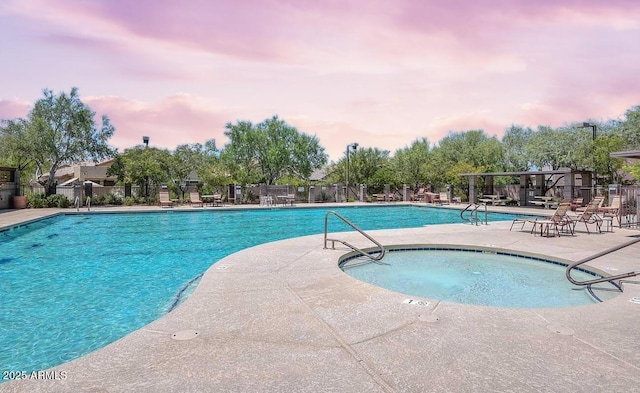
x=112 y=199
x=36 y=200
x=129 y=201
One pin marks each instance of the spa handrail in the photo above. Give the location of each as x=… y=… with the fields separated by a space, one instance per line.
x=598 y=255
x=378 y=257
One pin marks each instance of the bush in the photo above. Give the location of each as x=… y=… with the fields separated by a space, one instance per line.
x=129 y=201
x=36 y=200
x=112 y=199
x=57 y=200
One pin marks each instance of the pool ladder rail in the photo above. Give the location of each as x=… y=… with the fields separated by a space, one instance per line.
x=473 y=218
x=76 y=204
x=609 y=279
x=375 y=256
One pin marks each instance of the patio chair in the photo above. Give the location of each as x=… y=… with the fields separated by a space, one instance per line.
x=444 y=198
x=194 y=199
x=590 y=215
x=419 y=195
x=577 y=203
x=600 y=200
x=558 y=222
x=614 y=209
x=165 y=200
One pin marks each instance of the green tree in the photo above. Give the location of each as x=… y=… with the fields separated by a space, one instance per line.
x=143 y=166
x=515 y=140
x=61 y=130
x=14 y=148
x=461 y=152
x=566 y=147
x=370 y=166
x=410 y=164
x=629 y=129
x=270 y=150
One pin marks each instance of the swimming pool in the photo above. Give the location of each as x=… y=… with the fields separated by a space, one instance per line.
x=73 y=283
x=475 y=276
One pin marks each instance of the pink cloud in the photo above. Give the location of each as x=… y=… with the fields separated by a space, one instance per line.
x=172 y=121
x=13 y=109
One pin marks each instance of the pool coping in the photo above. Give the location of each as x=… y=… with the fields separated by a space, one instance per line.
x=282 y=316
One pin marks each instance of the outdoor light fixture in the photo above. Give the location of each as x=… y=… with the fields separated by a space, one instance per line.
x=145 y=140
x=350 y=146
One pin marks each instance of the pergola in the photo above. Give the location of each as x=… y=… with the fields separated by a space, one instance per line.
x=528 y=192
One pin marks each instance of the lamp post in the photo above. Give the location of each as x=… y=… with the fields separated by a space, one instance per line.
x=145 y=140
x=595 y=178
x=350 y=146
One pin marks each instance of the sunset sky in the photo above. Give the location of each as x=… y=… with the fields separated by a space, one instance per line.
x=380 y=73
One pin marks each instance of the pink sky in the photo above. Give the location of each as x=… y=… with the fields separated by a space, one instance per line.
x=380 y=73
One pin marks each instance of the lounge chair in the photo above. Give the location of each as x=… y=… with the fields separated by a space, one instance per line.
x=444 y=198
x=194 y=199
x=577 y=203
x=614 y=209
x=419 y=195
x=590 y=215
x=165 y=200
x=218 y=200
x=558 y=222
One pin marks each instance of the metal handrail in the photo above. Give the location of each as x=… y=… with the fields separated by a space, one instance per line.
x=473 y=214
x=378 y=257
x=88 y=203
x=598 y=255
x=76 y=203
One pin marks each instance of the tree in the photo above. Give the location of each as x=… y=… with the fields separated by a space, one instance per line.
x=270 y=150
x=410 y=163
x=14 y=148
x=370 y=166
x=515 y=140
x=61 y=130
x=143 y=166
x=630 y=128
x=461 y=152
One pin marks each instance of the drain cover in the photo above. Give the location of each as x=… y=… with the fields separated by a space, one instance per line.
x=185 y=335
x=565 y=331
x=429 y=318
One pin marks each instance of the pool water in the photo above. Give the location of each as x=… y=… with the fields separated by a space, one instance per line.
x=71 y=284
x=471 y=277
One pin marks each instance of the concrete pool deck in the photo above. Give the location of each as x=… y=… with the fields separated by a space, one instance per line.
x=282 y=317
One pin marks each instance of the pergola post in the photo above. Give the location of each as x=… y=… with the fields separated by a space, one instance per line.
x=472 y=189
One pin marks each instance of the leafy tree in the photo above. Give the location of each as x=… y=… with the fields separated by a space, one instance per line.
x=60 y=130
x=370 y=166
x=270 y=150
x=459 y=152
x=410 y=163
x=606 y=165
x=568 y=147
x=212 y=170
x=184 y=160
x=630 y=128
x=515 y=140
x=143 y=166
x=14 y=150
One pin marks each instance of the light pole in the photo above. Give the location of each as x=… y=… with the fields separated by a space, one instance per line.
x=350 y=146
x=595 y=178
x=145 y=140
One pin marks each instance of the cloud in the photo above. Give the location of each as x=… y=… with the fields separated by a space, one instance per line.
x=169 y=122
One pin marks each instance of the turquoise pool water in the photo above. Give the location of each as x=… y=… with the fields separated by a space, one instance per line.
x=74 y=283
x=483 y=278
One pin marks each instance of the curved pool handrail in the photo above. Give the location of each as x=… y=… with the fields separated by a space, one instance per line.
x=378 y=256
x=473 y=214
x=598 y=255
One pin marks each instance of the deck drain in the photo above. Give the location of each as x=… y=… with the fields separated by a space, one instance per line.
x=635 y=300
x=559 y=329
x=429 y=318
x=185 y=335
